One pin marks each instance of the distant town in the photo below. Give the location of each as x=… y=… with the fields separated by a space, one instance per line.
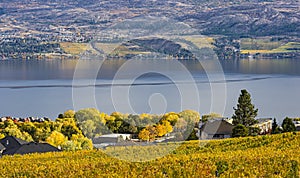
x=53 y=29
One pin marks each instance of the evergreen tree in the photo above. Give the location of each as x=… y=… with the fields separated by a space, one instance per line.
x=245 y=112
x=275 y=127
x=288 y=125
x=240 y=131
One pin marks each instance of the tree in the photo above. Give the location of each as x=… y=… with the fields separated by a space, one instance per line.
x=12 y=129
x=28 y=127
x=91 y=122
x=144 y=134
x=181 y=125
x=193 y=135
x=240 y=131
x=148 y=133
x=253 y=131
x=56 y=139
x=170 y=117
x=288 y=125
x=190 y=115
x=168 y=126
x=78 y=142
x=275 y=127
x=161 y=130
x=153 y=132
x=68 y=129
x=89 y=114
x=212 y=115
x=88 y=128
x=69 y=114
x=244 y=113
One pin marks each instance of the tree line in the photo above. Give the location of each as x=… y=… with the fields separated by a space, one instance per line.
x=146 y=127
x=74 y=130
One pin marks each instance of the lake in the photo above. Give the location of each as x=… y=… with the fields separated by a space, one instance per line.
x=49 y=87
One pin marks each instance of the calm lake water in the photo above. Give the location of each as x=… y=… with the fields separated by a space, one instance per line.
x=49 y=87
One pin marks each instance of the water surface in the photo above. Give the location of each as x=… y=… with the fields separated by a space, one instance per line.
x=44 y=88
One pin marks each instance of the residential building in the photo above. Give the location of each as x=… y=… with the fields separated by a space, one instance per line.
x=217 y=128
x=13 y=145
x=265 y=125
x=109 y=139
x=297 y=125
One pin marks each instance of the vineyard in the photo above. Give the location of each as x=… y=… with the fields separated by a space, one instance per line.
x=262 y=156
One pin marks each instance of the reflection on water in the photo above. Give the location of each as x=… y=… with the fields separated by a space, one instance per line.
x=263 y=66
x=64 y=69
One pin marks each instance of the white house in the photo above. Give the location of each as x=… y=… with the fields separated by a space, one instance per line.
x=264 y=124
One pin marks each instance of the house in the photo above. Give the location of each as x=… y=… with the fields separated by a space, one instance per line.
x=11 y=142
x=216 y=129
x=13 y=145
x=31 y=147
x=297 y=125
x=265 y=125
x=109 y=139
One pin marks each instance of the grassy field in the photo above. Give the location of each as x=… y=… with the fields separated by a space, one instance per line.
x=74 y=48
x=263 y=156
x=200 y=41
x=259 y=44
x=267 y=46
x=288 y=47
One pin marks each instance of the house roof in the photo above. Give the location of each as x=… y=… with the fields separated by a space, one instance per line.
x=263 y=120
x=2 y=147
x=99 y=140
x=31 y=147
x=219 y=126
x=13 y=145
x=10 y=142
x=115 y=135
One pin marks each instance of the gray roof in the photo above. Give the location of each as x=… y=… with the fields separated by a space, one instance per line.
x=10 y=142
x=99 y=140
x=31 y=147
x=13 y=145
x=219 y=126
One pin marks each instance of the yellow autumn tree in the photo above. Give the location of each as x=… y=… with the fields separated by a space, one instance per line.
x=161 y=130
x=153 y=132
x=168 y=126
x=69 y=114
x=145 y=115
x=78 y=142
x=144 y=134
x=171 y=117
x=56 y=139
